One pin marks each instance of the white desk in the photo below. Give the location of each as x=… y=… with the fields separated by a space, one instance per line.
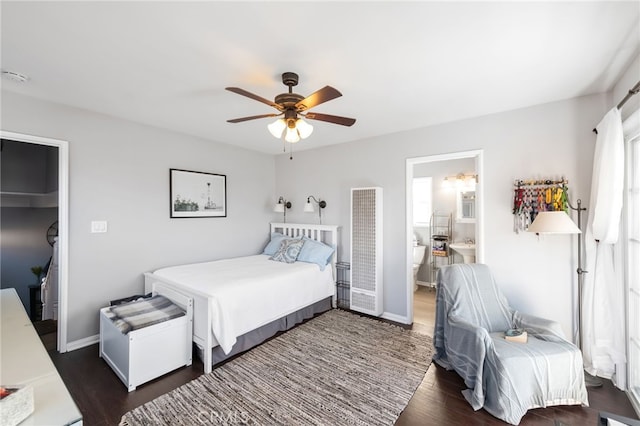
x=24 y=360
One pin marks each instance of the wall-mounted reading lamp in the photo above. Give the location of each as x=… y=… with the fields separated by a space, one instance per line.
x=281 y=207
x=308 y=208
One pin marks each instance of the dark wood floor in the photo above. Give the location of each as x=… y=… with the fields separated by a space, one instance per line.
x=439 y=401
x=100 y=395
x=103 y=399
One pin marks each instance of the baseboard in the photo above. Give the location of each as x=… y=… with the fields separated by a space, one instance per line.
x=395 y=318
x=425 y=284
x=82 y=343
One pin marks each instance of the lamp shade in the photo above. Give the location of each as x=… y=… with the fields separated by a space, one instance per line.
x=291 y=135
x=308 y=208
x=557 y=222
x=279 y=208
x=304 y=129
x=277 y=127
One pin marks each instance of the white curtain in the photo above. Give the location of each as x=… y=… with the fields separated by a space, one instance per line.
x=603 y=323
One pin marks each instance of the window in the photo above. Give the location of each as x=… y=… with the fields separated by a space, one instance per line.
x=421 y=201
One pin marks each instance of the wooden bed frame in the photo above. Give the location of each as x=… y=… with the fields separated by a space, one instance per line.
x=202 y=334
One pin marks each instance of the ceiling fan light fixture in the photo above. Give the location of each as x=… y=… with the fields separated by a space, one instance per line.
x=304 y=129
x=277 y=127
x=292 y=135
x=292 y=107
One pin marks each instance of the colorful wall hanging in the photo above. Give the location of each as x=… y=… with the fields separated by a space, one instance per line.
x=533 y=196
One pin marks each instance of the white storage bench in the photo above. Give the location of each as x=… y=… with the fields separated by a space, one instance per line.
x=146 y=353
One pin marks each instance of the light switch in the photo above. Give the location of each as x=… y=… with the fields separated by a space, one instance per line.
x=98 y=226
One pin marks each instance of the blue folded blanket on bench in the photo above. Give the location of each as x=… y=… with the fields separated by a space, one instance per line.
x=143 y=313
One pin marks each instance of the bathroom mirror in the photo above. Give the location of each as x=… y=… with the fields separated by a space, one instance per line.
x=466 y=206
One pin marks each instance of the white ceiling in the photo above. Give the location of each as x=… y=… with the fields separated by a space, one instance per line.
x=399 y=65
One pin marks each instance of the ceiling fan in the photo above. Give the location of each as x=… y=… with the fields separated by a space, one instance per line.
x=293 y=107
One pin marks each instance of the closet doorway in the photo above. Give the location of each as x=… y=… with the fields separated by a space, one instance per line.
x=439 y=168
x=60 y=228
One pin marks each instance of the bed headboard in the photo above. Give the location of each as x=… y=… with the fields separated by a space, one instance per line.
x=327 y=234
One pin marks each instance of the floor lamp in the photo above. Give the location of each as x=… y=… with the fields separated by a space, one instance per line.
x=559 y=222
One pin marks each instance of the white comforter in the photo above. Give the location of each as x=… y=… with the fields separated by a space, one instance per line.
x=249 y=292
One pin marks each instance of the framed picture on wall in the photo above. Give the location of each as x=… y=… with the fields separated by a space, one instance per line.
x=197 y=194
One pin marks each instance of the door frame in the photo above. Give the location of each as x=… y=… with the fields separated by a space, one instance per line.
x=63 y=223
x=410 y=163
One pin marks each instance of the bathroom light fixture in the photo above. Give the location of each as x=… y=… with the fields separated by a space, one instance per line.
x=281 y=207
x=460 y=180
x=308 y=208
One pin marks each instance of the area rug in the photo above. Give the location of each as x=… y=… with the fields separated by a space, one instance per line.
x=336 y=369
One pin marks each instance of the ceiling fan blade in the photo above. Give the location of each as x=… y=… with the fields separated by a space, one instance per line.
x=330 y=118
x=323 y=95
x=253 y=117
x=255 y=97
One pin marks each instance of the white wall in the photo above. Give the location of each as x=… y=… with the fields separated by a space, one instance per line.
x=550 y=140
x=119 y=172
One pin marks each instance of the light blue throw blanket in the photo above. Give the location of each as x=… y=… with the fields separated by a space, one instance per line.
x=505 y=378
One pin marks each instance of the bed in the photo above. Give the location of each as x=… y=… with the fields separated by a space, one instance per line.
x=238 y=303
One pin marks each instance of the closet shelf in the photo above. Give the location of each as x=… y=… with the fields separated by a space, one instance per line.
x=29 y=199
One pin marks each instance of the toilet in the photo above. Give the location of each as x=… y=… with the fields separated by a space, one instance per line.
x=418 y=259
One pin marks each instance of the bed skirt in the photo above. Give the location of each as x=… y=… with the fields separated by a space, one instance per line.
x=259 y=335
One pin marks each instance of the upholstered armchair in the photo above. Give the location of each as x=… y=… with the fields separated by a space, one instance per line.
x=505 y=378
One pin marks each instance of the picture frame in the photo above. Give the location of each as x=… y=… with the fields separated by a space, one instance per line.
x=197 y=194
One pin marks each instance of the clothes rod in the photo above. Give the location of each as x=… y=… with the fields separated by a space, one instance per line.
x=633 y=91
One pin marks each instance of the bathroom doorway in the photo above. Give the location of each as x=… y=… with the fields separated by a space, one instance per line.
x=423 y=293
x=450 y=177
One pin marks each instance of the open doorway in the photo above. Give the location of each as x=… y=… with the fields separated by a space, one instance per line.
x=455 y=180
x=35 y=229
